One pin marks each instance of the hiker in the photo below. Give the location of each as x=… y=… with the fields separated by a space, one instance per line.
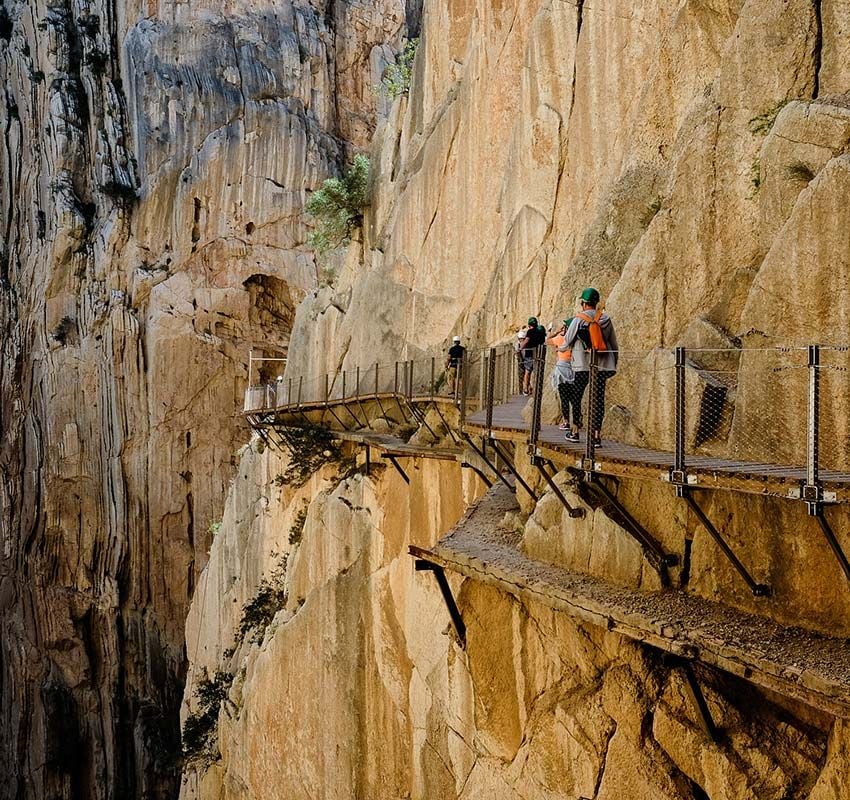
x=453 y=363
x=535 y=336
x=563 y=380
x=591 y=330
x=520 y=336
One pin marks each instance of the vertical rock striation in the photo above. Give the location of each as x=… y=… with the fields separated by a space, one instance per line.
x=689 y=159
x=154 y=161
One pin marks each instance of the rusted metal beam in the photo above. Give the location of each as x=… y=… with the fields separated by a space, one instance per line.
x=454 y=612
x=651 y=548
x=483 y=456
x=487 y=482
x=394 y=461
x=833 y=542
x=694 y=693
x=758 y=589
x=574 y=512
x=513 y=470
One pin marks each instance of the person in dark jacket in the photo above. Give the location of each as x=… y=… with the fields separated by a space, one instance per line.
x=535 y=336
x=453 y=363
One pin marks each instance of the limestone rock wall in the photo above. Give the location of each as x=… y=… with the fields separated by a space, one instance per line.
x=688 y=160
x=154 y=161
x=356 y=687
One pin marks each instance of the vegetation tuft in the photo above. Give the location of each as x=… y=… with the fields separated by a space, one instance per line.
x=651 y=210
x=64 y=330
x=312 y=448
x=297 y=529
x=798 y=171
x=338 y=207
x=396 y=78
x=200 y=737
x=755 y=176
x=761 y=124
x=258 y=613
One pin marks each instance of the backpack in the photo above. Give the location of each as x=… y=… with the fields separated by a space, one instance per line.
x=594 y=331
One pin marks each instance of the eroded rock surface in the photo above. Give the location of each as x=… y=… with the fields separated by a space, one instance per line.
x=689 y=160
x=155 y=159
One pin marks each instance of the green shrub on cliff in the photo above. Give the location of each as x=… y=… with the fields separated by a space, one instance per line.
x=310 y=448
x=200 y=739
x=259 y=611
x=396 y=78
x=337 y=207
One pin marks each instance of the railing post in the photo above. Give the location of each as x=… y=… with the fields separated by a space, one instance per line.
x=433 y=374
x=327 y=389
x=300 y=384
x=460 y=387
x=812 y=489
x=410 y=380
x=395 y=380
x=343 y=386
x=289 y=393
x=537 y=400
x=678 y=477
x=491 y=376
x=590 y=443
x=482 y=383
x=376 y=379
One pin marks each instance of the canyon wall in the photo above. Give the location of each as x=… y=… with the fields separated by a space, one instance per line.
x=154 y=162
x=688 y=159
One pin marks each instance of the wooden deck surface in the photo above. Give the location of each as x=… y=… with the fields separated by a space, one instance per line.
x=625 y=460
x=794 y=662
x=393 y=446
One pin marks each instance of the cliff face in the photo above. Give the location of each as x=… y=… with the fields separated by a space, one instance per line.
x=691 y=161
x=153 y=167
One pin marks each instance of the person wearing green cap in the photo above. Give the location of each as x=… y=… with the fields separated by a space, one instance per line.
x=535 y=336
x=592 y=330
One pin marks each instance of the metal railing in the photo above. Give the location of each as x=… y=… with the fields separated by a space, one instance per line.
x=769 y=410
x=413 y=380
x=762 y=411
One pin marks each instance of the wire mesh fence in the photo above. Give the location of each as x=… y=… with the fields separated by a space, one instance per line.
x=833 y=401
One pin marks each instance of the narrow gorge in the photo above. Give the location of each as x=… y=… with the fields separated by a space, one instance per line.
x=206 y=599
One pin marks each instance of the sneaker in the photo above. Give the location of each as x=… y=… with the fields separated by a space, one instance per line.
x=597 y=442
x=564 y=426
x=571 y=437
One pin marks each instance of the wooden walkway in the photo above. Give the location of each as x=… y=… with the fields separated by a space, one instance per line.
x=793 y=662
x=624 y=460
x=393 y=446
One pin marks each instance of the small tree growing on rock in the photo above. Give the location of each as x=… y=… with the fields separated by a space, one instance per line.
x=396 y=78
x=338 y=207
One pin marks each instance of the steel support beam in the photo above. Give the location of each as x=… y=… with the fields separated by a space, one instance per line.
x=399 y=469
x=509 y=464
x=758 y=589
x=448 y=597
x=483 y=456
x=575 y=513
x=833 y=541
x=487 y=482
x=695 y=695
x=651 y=548
x=443 y=420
